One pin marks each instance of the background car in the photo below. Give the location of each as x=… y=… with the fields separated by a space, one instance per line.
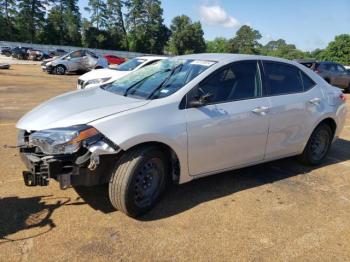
x=334 y=73
x=6 y=50
x=112 y=59
x=37 y=55
x=104 y=76
x=20 y=52
x=76 y=61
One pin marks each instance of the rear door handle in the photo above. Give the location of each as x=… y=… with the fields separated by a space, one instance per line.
x=261 y=110
x=315 y=101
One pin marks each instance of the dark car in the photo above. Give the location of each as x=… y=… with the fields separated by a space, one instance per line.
x=334 y=73
x=20 y=52
x=6 y=50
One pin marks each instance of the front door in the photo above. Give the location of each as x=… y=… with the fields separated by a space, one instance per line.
x=231 y=130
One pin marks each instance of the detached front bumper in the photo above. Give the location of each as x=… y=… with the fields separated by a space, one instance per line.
x=89 y=166
x=67 y=170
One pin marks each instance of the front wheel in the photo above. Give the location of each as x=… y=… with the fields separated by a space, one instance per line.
x=60 y=70
x=318 y=145
x=139 y=180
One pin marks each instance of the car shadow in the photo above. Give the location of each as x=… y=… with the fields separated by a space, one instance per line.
x=96 y=197
x=24 y=213
x=179 y=198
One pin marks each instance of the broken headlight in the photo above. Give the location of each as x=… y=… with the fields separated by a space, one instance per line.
x=62 y=140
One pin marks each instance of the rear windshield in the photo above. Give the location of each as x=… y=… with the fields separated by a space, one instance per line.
x=158 y=80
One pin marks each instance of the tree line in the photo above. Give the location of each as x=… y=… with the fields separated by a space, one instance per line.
x=138 y=25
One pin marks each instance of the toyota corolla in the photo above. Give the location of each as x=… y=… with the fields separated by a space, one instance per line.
x=180 y=119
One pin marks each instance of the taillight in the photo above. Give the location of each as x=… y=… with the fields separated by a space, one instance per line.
x=342 y=97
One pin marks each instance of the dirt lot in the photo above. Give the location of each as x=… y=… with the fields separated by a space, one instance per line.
x=281 y=211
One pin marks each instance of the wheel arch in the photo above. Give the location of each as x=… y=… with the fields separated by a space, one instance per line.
x=61 y=64
x=175 y=163
x=326 y=120
x=330 y=122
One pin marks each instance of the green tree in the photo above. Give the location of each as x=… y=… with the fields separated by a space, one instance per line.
x=218 y=45
x=95 y=31
x=145 y=23
x=31 y=19
x=116 y=25
x=7 y=19
x=338 y=50
x=72 y=17
x=98 y=10
x=280 y=48
x=186 y=37
x=246 y=41
x=63 y=23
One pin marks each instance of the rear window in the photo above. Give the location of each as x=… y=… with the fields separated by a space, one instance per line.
x=308 y=83
x=282 y=78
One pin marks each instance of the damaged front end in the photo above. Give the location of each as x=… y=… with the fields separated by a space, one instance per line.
x=74 y=156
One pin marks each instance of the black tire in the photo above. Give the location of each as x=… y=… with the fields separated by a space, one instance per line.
x=140 y=179
x=347 y=90
x=318 y=145
x=60 y=70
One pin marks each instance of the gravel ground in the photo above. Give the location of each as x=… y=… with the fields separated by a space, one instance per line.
x=280 y=211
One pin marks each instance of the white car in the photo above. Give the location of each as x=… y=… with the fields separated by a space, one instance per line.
x=103 y=76
x=177 y=120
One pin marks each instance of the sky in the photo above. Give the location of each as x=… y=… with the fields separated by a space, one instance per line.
x=309 y=24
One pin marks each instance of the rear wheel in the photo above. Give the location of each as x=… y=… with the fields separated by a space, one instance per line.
x=139 y=180
x=347 y=90
x=318 y=145
x=60 y=70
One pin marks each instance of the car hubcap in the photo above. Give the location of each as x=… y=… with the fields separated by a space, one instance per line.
x=60 y=70
x=319 y=144
x=147 y=182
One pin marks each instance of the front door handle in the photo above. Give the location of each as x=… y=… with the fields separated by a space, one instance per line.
x=261 y=110
x=315 y=101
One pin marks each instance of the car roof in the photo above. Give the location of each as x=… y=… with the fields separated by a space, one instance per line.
x=223 y=57
x=152 y=57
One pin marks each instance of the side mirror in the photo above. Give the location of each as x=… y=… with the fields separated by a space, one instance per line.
x=201 y=101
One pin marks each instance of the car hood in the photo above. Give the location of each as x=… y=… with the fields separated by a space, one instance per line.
x=102 y=73
x=75 y=108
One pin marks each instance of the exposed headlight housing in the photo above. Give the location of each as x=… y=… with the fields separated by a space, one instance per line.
x=62 y=140
x=97 y=81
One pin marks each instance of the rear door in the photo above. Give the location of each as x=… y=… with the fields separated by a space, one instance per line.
x=76 y=60
x=296 y=104
x=231 y=130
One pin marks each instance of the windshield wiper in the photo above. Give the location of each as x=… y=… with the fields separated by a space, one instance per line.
x=165 y=80
x=138 y=82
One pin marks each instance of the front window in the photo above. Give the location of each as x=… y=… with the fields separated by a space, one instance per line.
x=130 y=64
x=158 y=80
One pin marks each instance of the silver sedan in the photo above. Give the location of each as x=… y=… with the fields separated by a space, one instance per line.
x=177 y=120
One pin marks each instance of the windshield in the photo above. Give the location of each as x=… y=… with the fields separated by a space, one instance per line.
x=130 y=64
x=158 y=80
